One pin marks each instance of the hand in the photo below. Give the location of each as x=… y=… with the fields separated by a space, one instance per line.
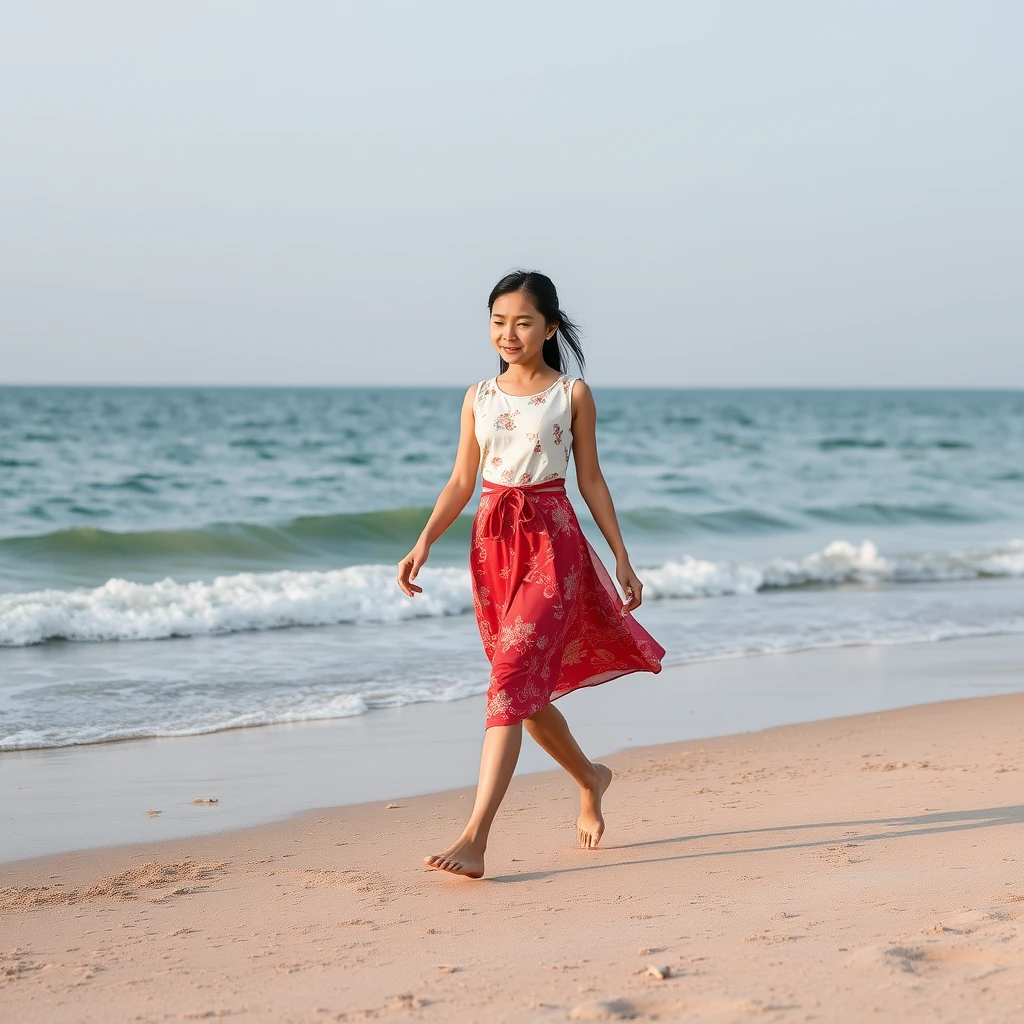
x=408 y=567
x=631 y=586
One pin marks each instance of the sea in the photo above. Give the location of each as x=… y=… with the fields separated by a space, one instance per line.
x=176 y=561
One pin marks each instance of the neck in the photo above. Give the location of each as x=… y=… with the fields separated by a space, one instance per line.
x=526 y=372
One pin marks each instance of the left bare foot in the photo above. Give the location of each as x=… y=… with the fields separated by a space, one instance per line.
x=462 y=858
x=590 y=824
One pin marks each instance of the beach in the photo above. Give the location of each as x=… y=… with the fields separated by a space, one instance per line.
x=227 y=741
x=851 y=868
x=289 y=288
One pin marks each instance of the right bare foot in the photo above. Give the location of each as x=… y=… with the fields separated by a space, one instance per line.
x=591 y=821
x=463 y=858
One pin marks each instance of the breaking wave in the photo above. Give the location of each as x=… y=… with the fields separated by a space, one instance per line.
x=123 y=610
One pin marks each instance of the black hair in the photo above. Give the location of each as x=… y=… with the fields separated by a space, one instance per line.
x=542 y=293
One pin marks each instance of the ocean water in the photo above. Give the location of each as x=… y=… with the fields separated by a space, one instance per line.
x=183 y=560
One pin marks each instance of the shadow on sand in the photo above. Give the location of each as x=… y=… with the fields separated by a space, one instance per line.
x=896 y=827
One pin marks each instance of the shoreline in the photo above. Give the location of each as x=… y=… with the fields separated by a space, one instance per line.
x=824 y=870
x=276 y=773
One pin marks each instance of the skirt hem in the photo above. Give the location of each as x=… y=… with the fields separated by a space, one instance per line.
x=596 y=680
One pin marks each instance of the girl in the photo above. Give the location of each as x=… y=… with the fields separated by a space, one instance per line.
x=549 y=616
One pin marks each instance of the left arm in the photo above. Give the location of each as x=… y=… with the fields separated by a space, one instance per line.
x=595 y=491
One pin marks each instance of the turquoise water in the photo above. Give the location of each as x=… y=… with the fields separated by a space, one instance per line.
x=178 y=560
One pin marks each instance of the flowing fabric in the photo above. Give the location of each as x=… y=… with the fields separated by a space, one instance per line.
x=549 y=615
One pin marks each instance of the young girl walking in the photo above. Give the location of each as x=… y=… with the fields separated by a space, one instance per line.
x=549 y=615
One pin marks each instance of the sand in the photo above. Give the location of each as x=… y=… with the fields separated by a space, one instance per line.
x=860 y=868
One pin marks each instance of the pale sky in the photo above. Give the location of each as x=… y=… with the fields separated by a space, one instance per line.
x=725 y=193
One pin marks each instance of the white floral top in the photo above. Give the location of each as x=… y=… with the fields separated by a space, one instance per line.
x=524 y=440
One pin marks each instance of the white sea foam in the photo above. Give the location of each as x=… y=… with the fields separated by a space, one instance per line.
x=212 y=709
x=120 y=610
x=839 y=562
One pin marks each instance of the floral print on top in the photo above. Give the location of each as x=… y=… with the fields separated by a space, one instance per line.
x=527 y=438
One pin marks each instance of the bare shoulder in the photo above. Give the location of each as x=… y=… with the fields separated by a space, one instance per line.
x=469 y=401
x=582 y=396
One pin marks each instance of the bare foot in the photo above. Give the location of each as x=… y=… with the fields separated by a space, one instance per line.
x=463 y=858
x=591 y=822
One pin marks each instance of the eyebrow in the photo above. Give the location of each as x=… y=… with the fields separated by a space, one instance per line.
x=518 y=316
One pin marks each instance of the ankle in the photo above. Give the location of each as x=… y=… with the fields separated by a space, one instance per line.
x=592 y=779
x=475 y=838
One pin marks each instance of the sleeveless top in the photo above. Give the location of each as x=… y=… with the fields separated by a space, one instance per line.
x=524 y=440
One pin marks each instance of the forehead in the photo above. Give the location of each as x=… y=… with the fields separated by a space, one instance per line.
x=514 y=304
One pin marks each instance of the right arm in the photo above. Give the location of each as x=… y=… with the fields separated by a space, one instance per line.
x=450 y=502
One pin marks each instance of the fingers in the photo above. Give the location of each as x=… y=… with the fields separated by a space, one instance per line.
x=408 y=569
x=406 y=572
x=634 y=595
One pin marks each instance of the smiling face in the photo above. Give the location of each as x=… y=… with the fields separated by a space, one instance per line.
x=518 y=329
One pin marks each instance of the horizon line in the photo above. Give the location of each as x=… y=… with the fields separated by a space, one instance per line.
x=447 y=387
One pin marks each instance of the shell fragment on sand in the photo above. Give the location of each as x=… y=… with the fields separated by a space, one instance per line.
x=658 y=972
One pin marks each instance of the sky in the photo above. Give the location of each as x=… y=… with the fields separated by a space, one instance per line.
x=725 y=193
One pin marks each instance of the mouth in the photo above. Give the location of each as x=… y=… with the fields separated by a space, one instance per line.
x=506 y=350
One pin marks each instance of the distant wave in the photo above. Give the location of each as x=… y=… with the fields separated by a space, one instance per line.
x=307 y=535
x=868 y=513
x=668 y=522
x=120 y=610
x=355 y=536
x=831 y=444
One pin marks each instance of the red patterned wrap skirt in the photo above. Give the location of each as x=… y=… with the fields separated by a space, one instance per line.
x=550 y=617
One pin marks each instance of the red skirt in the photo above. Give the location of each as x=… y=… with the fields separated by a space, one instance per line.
x=550 y=617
